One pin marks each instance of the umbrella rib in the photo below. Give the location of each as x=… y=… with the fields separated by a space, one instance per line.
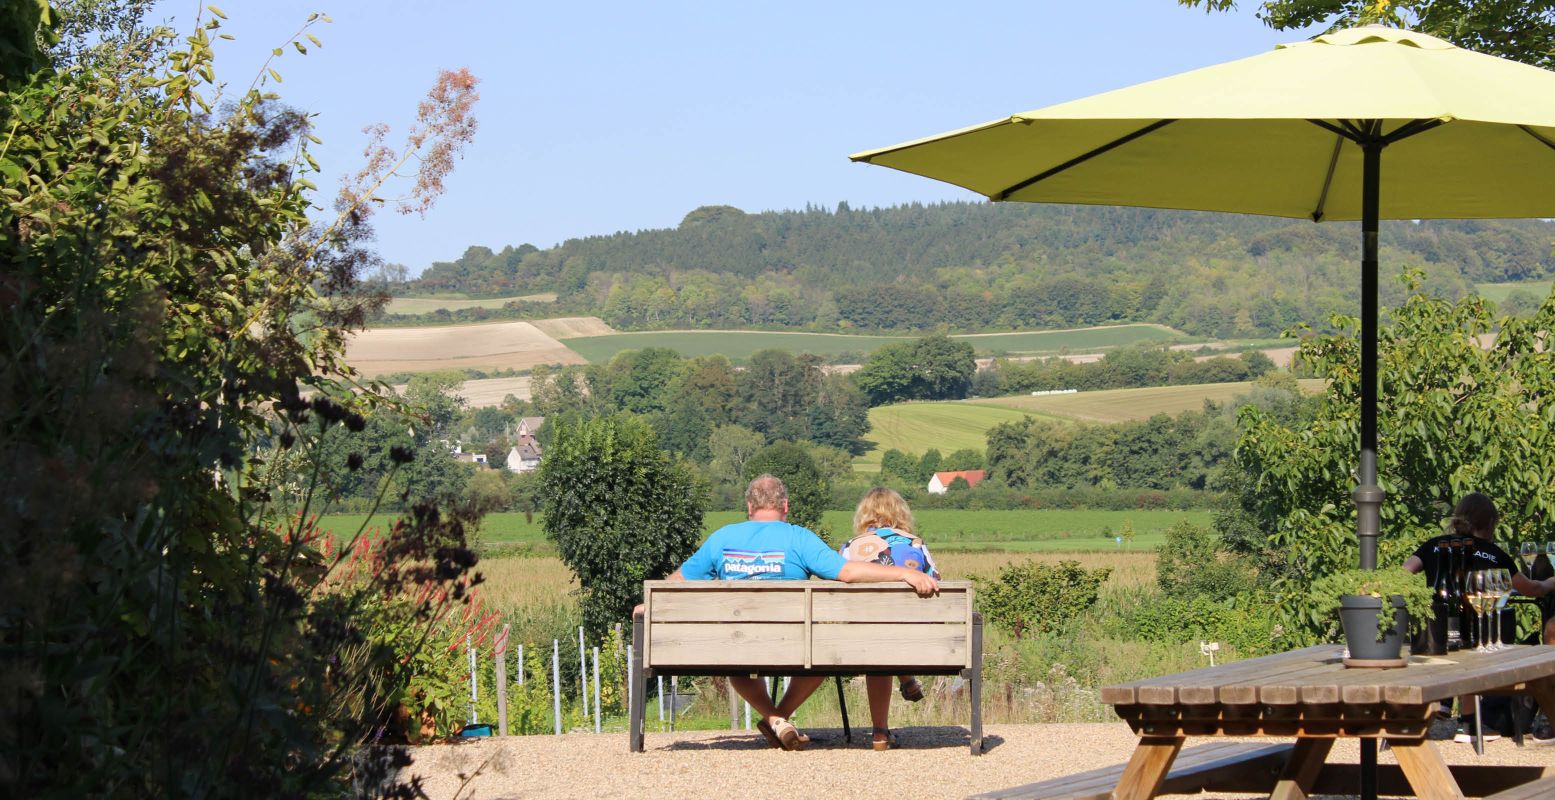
x=1541 y=139
x=1328 y=179
x=1329 y=126
x=1411 y=128
x=1082 y=158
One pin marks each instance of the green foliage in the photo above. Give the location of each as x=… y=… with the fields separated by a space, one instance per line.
x=619 y=510
x=1520 y=31
x=1242 y=623
x=1453 y=417
x=171 y=627
x=808 y=489
x=1191 y=563
x=964 y=459
x=1040 y=598
x=932 y=368
x=1381 y=583
x=1128 y=368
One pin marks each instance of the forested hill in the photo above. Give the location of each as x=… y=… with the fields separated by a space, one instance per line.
x=986 y=267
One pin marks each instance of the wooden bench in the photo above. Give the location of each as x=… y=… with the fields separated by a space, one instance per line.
x=1542 y=789
x=1221 y=767
x=804 y=628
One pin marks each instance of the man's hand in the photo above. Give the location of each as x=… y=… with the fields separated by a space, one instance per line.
x=923 y=584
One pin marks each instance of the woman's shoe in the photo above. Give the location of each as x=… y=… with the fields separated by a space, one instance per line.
x=883 y=739
x=912 y=691
x=789 y=737
x=777 y=741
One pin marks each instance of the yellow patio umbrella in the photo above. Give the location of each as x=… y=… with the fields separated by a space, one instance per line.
x=1361 y=124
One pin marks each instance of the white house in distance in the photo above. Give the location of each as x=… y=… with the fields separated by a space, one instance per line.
x=940 y=483
x=525 y=455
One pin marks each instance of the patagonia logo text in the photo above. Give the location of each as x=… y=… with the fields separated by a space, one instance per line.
x=747 y=563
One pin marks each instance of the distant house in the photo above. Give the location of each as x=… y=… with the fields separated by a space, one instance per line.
x=940 y=483
x=528 y=427
x=524 y=456
x=468 y=458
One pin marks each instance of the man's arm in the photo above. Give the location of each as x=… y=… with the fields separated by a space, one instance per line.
x=870 y=572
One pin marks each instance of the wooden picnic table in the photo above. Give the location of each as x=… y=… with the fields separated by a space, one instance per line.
x=1309 y=695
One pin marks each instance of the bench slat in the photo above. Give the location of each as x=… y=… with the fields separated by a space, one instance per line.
x=728 y=606
x=734 y=644
x=890 y=604
x=1194 y=769
x=865 y=644
x=1536 y=790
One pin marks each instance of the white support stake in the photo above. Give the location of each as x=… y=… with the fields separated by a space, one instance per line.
x=499 y=654
x=631 y=685
x=474 y=717
x=674 y=699
x=583 y=675
x=596 y=691
x=556 y=684
x=747 y=716
x=661 y=699
x=520 y=665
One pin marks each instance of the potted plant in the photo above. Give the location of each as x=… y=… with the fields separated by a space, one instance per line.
x=1377 y=609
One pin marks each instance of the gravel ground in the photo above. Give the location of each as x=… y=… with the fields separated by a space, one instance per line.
x=930 y=763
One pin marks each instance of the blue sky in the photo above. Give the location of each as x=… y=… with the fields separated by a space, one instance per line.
x=603 y=117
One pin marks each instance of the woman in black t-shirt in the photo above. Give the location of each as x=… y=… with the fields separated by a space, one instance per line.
x=1476 y=516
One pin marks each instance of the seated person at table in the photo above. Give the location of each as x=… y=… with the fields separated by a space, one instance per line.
x=883 y=534
x=766 y=547
x=1476 y=516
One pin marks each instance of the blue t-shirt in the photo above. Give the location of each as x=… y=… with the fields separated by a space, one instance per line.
x=754 y=550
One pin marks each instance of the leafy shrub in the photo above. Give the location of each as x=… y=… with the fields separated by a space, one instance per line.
x=1038 y=597
x=619 y=510
x=1241 y=623
x=1191 y=563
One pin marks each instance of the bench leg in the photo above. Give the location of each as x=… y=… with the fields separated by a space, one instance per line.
x=842 y=703
x=975 y=686
x=1301 y=771
x=1425 y=770
x=1147 y=767
x=634 y=727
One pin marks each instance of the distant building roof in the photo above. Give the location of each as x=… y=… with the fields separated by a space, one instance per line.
x=943 y=480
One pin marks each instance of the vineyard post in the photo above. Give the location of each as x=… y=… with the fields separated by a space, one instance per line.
x=631 y=685
x=596 y=690
x=734 y=708
x=556 y=684
x=520 y=665
x=499 y=652
x=674 y=699
x=661 y=701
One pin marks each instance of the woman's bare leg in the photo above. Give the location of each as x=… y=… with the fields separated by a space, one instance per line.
x=879 y=688
x=798 y=691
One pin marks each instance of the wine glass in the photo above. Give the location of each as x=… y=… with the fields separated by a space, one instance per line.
x=1501 y=585
x=1528 y=550
x=1477 y=586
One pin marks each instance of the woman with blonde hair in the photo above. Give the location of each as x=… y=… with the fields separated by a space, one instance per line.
x=883 y=533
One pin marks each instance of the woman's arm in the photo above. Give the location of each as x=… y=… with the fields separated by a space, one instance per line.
x=1530 y=587
x=870 y=572
x=1413 y=564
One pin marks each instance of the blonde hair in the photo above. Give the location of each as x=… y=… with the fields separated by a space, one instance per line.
x=882 y=508
x=1475 y=515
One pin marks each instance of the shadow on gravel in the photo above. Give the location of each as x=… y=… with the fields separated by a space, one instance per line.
x=924 y=738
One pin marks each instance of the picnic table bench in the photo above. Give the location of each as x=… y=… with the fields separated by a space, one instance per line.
x=1311 y=696
x=804 y=628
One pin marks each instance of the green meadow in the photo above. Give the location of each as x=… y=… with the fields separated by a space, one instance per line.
x=455 y=302
x=1499 y=292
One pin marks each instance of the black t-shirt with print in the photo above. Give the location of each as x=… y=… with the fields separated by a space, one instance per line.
x=1484 y=554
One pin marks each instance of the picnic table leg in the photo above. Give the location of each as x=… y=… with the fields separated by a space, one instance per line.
x=1425 y=770
x=634 y=727
x=842 y=703
x=975 y=685
x=1301 y=771
x=1147 y=767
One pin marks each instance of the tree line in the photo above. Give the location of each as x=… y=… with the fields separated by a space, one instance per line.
x=965 y=266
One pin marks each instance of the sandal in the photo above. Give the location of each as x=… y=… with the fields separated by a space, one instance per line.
x=777 y=741
x=883 y=739
x=912 y=691
x=788 y=735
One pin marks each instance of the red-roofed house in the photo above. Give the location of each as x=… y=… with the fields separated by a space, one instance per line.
x=941 y=481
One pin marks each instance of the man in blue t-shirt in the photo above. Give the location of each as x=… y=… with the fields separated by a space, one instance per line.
x=765 y=547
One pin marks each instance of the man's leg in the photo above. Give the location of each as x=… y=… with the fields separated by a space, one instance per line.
x=798 y=691
x=754 y=690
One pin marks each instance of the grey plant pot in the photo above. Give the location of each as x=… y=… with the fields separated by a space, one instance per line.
x=1358 y=615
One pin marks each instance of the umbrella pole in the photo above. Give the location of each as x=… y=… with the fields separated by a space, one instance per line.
x=1367 y=495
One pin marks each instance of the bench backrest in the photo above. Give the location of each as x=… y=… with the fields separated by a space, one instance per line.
x=805 y=625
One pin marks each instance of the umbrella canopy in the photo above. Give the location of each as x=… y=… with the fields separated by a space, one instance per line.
x=1279 y=134
x=1361 y=124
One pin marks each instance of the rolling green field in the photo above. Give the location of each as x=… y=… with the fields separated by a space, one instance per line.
x=740 y=345
x=1499 y=292
x=1119 y=405
x=915 y=427
x=454 y=302
x=946 y=530
x=949 y=426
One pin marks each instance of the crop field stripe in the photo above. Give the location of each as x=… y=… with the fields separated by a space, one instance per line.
x=916 y=427
x=426 y=305
x=1118 y=405
x=740 y=345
